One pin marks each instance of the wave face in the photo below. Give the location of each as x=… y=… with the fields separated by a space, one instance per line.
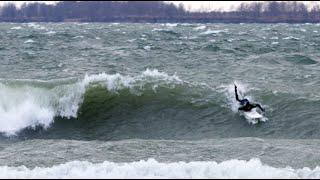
x=151 y=105
x=234 y=169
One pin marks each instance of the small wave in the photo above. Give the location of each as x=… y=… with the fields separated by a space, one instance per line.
x=291 y=38
x=300 y=59
x=16 y=28
x=79 y=24
x=186 y=24
x=169 y=31
x=50 y=32
x=78 y=37
x=171 y=24
x=36 y=26
x=200 y=27
x=213 y=32
x=131 y=40
x=211 y=47
x=147 y=48
x=162 y=30
x=242 y=33
x=29 y=41
x=234 y=169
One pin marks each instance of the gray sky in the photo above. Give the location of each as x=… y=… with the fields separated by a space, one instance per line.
x=190 y=5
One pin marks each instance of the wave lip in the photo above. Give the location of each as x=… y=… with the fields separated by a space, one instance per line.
x=154 y=169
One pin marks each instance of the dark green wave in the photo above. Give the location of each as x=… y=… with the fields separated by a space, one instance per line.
x=180 y=112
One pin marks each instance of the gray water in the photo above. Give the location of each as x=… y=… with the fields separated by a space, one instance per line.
x=127 y=92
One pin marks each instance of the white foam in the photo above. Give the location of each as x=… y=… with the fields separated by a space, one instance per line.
x=243 y=33
x=161 y=30
x=171 y=24
x=231 y=169
x=16 y=28
x=290 y=37
x=213 y=32
x=186 y=24
x=131 y=40
x=162 y=75
x=157 y=29
x=147 y=48
x=111 y=81
x=25 y=114
x=21 y=108
x=50 y=32
x=29 y=41
x=36 y=26
x=200 y=27
x=79 y=24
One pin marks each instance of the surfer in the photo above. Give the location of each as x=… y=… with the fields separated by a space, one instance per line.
x=245 y=104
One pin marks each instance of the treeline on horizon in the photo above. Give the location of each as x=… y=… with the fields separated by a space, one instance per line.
x=158 y=11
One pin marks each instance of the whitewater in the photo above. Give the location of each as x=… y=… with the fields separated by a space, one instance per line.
x=234 y=169
x=127 y=100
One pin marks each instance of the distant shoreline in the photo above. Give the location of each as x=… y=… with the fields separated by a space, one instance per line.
x=164 y=20
x=158 y=12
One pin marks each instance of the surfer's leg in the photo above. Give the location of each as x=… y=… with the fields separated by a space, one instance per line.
x=258 y=105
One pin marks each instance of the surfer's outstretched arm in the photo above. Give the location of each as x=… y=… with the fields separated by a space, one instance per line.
x=235 y=91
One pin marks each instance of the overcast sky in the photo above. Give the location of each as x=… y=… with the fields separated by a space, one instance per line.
x=190 y=5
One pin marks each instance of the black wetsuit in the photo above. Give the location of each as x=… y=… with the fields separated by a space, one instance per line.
x=245 y=104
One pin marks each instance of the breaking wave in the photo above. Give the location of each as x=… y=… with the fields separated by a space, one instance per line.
x=150 y=105
x=25 y=105
x=234 y=169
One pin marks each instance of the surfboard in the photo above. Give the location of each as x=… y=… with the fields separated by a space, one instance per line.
x=253 y=116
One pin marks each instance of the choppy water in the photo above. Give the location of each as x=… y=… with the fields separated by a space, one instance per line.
x=102 y=97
